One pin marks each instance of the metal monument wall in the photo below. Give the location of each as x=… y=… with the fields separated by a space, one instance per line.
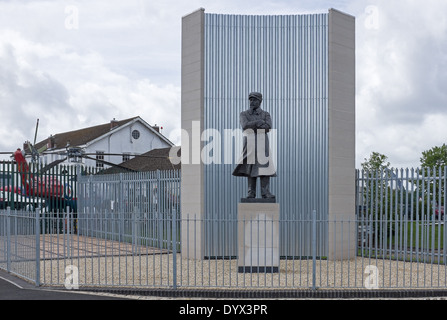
x=286 y=59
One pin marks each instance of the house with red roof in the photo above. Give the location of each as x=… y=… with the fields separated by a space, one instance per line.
x=114 y=142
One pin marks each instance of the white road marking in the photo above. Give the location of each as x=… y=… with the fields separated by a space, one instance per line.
x=12 y=282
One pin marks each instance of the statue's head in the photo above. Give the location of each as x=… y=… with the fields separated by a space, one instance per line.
x=255 y=99
x=255 y=95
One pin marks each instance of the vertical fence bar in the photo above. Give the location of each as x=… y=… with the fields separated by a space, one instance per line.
x=8 y=239
x=444 y=225
x=314 y=250
x=174 y=249
x=37 y=230
x=419 y=196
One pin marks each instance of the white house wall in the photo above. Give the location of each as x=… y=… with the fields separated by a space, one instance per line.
x=121 y=141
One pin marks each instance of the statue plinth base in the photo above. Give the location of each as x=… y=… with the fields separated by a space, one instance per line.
x=258 y=269
x=258 y=200
x=258 y=236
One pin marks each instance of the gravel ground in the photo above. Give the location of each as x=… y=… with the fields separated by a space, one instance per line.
x=155 y=271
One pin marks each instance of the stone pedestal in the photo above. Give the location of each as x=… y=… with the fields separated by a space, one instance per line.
x=258 y=237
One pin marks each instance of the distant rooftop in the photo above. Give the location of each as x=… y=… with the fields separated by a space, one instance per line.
x=81 y=137
x=156 y=159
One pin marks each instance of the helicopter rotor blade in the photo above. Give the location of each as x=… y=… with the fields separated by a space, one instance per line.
x=133 y=155
x=42 y=149
x=35 y=134
x=108 y=163
x=51 y=165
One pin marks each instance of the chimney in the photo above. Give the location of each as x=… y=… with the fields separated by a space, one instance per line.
x=50 y=142
x=156 y=128
x=113 y=124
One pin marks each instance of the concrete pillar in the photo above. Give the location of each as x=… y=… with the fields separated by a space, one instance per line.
x=192 y=195
x=341 y=134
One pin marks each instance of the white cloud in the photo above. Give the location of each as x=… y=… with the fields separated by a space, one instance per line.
x=25 y=91
x=69 y=86
x=401 y=63
x=92 y=102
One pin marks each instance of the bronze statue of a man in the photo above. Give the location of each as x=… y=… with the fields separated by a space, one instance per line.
x=256 y=160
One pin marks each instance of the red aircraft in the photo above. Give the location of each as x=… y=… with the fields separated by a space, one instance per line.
x=42 y=185
x=37 y=187
x=45 y=186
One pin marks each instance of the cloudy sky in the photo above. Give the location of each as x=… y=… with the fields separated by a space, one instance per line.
x=77 y=63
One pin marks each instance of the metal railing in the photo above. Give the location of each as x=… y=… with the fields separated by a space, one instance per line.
x=20 y=244
x=105 y=250
x=129 y=232
x=148 y=194
x=39 y=188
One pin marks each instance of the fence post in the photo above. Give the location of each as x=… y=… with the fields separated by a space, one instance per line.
x=68 y=230
x=174 y=249
x=37 y=228
x=158 y=210
x=314 y=250
x=8 y=239
x=134 y=230
x=120 y=209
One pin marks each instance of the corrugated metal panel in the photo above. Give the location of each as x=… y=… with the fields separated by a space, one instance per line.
x=286 y=59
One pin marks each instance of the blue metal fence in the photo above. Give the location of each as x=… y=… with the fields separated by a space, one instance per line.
x=20 y=244
x=391 y=246
x=109 y=251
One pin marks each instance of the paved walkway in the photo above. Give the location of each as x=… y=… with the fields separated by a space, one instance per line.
x=14 y=288
x=73 y=246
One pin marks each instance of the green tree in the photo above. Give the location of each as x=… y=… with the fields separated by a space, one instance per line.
x=433 y=165
x=436 y=157
x=376 y=161
x=377 y=195
x=374 y=183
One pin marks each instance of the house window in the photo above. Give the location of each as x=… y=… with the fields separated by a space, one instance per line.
x=99 y=157
x=135 y=134
x=126 y=157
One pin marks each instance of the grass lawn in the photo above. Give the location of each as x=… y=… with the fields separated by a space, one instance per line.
x=416 y=239
x=419 y=235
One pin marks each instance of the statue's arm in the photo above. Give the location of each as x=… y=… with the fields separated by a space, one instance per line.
x=268 y=120
x=247 y=124
x=267 y=125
